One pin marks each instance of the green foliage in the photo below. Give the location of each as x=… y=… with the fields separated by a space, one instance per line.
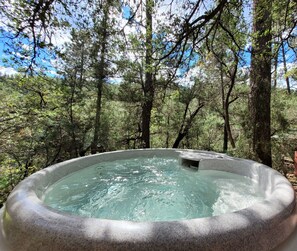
x=292 y=73
x=11 y=175
x=284 y=128
x=36 y=129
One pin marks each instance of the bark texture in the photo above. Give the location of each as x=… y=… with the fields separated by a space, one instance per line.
x=260 y=79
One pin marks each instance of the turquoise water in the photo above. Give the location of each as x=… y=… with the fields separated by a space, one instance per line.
x=150 y=189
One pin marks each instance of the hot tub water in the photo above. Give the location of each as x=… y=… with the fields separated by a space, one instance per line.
x=151 y=189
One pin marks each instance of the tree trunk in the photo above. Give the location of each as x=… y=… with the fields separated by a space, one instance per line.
x=225 y=141
x=261 y=81
x=73 y=149
x=226 y=102
x=228 y=127
x=148 y=87
x=167 y=131
x=100 y=75
x=178 y=139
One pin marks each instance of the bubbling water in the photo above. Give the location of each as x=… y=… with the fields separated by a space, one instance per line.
x=151 y=189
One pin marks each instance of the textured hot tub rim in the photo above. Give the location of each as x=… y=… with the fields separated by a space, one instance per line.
x=30 y=225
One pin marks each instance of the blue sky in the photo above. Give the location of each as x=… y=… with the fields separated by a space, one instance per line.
x=126 y=12
x=7 y=64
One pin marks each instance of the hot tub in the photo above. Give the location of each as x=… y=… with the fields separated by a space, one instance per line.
x=28 y=224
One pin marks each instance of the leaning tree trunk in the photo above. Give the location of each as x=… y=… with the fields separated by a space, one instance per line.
x=148 y=87
x=261 y=81
x=227 y=102
x=186 y=125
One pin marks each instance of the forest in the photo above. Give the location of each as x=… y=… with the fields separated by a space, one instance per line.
x=98 y=75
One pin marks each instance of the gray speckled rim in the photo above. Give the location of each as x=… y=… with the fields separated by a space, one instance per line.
x=27 y=224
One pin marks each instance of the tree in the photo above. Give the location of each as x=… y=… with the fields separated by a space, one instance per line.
x=226 y=91
x=145 y=76
x=189 y=95
x=31 y=134
x=260 y=80
x=148 y=87
x=100 y=48
x=220 y=57
x=77 y=89
x=189 y=27
x=283 y=25
x=29 y=27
